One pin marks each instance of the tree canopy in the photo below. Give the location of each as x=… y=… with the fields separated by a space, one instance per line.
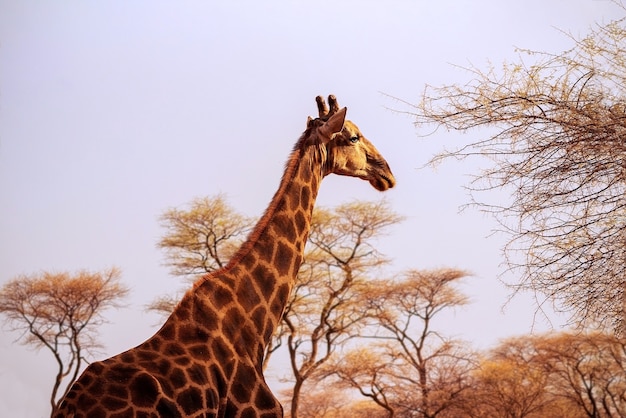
x=202 y=237
x=408 y=367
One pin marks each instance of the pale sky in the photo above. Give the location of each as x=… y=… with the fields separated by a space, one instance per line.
x=112 y=112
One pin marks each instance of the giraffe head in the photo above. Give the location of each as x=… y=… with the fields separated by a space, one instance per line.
x=347 y=151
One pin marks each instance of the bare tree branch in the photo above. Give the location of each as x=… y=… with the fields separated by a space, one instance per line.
x=554 y=133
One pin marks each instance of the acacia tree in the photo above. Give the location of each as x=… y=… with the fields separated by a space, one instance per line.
x=412 y=370
x=198 y=240
x=559 y=146
x=325 y=310
x=551 y=376
x=588 y=370
x=203 y=237
x=61 y=312
x=365 y=370
x=511 y=383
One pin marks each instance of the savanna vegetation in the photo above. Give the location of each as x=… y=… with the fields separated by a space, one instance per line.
x=359 y=342
x=363 y=342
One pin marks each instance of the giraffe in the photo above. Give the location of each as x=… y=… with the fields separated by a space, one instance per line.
x=206 y=359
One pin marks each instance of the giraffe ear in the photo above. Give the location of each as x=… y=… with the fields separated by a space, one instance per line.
x=334 y=124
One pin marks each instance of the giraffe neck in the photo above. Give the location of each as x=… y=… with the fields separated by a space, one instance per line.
x=274 y=250
x=244 y=301
x=287 y=219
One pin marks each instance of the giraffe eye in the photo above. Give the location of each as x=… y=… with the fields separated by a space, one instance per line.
x=354 y=139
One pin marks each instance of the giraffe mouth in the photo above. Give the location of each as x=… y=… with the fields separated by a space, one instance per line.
x=380 y=176
x=382 y=182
